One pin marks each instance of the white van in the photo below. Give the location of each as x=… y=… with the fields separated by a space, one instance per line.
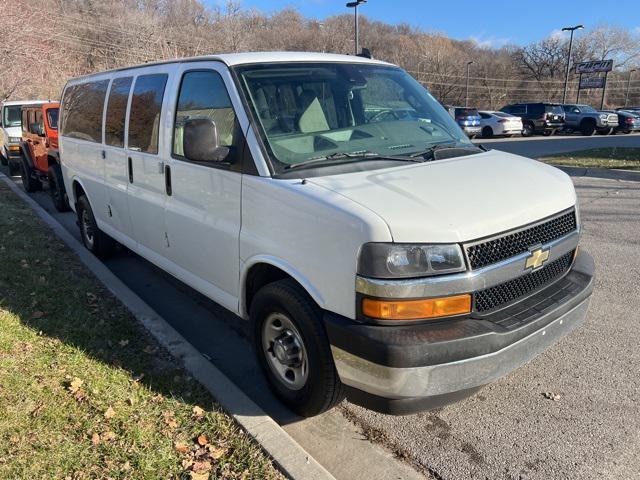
x=11 y=130
x=333 y=203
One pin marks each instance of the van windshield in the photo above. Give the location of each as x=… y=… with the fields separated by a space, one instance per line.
x=11 y=116
x=353 y=112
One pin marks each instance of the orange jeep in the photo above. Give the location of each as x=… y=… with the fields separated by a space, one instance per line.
x=40 y=162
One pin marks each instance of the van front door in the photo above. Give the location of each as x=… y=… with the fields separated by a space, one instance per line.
x=203 y=202
x=144 y=167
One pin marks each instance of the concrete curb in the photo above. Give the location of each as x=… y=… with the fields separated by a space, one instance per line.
x=292 y=459
x=626 y=175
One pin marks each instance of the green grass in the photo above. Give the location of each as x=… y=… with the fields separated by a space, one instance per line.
x=85 y=392
x=626 y=158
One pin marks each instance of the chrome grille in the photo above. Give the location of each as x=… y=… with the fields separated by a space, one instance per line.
x=512 y=290
x=512 y=244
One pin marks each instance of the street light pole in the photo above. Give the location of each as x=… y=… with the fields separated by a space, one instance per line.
x=354 y=5
x=566 y=77
x=626 y=97
x=466 y=98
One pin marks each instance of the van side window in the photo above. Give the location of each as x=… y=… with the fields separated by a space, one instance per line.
x=116 y=111
x=144 y=118
x=83 y=105
x=204 y=95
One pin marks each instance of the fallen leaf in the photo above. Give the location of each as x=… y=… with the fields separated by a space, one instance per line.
x=149 y=349
x=123 y=343
x=137 y=378
x=131 y=400
x=181 y=447
x=202 y=440
x=126 y=466
x=95 y=438
x=201 y=466
x=109 y=413
x=108 y=436
x=551 y=396
x=169 y=419
x=198 y=412
x=38 y=314
x=75 y=385
x=216 y=452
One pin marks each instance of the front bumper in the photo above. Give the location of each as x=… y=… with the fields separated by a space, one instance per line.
x=13 y=151
x=403 y=369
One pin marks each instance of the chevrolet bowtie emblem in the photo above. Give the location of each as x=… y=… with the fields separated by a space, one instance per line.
x=537 y=258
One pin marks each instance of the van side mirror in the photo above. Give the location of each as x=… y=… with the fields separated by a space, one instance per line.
x=200 y=141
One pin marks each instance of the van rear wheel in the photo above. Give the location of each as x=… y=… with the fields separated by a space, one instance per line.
x=94 y=239
x=293 y=348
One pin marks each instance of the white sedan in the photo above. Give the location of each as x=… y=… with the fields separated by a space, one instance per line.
x=499 y=123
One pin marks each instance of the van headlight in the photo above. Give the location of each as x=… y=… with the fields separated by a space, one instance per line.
x=398 y=260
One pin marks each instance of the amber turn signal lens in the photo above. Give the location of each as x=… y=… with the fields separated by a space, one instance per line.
x=416 y=309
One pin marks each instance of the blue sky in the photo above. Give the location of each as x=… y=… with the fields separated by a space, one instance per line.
x=491 y=23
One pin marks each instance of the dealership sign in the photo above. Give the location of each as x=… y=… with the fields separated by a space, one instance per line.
x=592 y=82
x=594 y=67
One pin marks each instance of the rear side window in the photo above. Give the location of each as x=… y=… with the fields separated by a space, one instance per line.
x=517 y=110
x=557 y=109
x=116 y=111
x=204 y=95
x=83 y=105
x=144 y=118
x=466 y=112
x=536 y=109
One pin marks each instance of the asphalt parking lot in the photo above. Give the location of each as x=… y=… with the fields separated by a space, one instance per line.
x=510 y=429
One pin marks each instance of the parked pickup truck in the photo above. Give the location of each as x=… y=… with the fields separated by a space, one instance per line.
x=588 y=120
x=331 y=202
x=40 y=160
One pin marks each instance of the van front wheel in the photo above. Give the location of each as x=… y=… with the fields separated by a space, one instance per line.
x=293 y=348
x=96 y=241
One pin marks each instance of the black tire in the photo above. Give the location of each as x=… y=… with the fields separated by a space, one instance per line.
x=487 y=132
x=56 y=189
x=14 y=169
x=29 y=183
x=548 y=133
x=94 y=239
x=322 y=388
x=588 y=129
x=528 y=130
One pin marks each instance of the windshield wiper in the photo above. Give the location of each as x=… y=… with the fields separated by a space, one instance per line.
x=429 y=153
x=359 y=155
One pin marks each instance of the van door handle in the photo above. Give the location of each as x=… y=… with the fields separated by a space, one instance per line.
x=130 y=167
x=167 y=179
x=103 y=154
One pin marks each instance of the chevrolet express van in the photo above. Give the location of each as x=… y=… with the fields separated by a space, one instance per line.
x=334 y=204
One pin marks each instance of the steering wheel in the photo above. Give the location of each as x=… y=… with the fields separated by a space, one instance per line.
x=382 y=114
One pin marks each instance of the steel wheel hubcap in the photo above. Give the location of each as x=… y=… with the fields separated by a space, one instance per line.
x=284 y=350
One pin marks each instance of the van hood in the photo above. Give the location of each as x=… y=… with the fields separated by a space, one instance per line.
x=458 y=199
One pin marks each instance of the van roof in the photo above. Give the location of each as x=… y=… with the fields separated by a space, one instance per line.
x=246 y=58
x=24 y=102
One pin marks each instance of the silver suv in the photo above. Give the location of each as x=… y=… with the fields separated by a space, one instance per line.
x=588 y=120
